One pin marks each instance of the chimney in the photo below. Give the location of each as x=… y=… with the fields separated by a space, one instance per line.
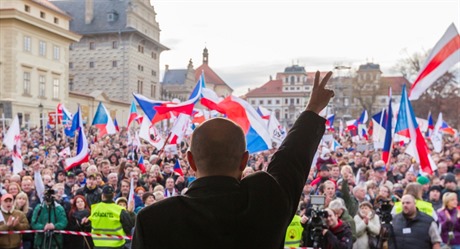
x=166 y=67
x=89 y=11
x=271 y=78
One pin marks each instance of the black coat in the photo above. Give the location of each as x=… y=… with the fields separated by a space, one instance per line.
x=74 y=224
x=222 y=212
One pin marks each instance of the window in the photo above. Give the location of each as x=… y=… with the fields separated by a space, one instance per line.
x=92 y=46
x=91 y=64
x=27 y=43
x=70 y=65
x=26 y=82
x=153 y=89
x=70 y=84
x=42 y=48
x=26 y=8
x=115 y=44
x=140 y=49
x=56 y=20
x=112 y=16
x=292 y=80
x=277 y=101
x=42 y=14
x=291 y=101
x=114 y=63
x=261 y=102
x=56 y=53
x=154 y=55
x=297 y=101
x=286 y=79
x=154 y=73
x=269 y=102
x=41 y=86
x=140 y=68
x=286 y=101
x=71 y=47
x=139 y=86
x=55 y=88
x=253 y=102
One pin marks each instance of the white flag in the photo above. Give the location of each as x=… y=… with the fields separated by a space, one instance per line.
x=12 y=141
x=150 y=133
x=436 y=136
x=276 y=131
x=179 y=128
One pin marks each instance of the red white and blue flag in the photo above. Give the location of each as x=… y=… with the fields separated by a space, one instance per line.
x=132 y=114
x=185 y=107
x=64 y=115
x=444 y=55
x=430 y=129
x=140 y=164
x=82 y=149
x=388 y=131
x=103 y=121
x=178 y=169
x=330 y=122
x=148 y=106
x=407 y=126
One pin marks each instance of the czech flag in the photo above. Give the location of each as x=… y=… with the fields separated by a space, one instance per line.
x=148 y=106
x=103 y=121
x=77 y=122
x=444 y=55
x=388 y=130
x=132 y=113
x=185 y=107
x=330 y=122
x=447 y=129
x=140 y=164
x=407 y=126
x=115 y=122
x=430 y=129
x=82 y=151
x=178 y=169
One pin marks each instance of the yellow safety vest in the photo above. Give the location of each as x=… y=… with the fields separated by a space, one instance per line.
x=422 y=206
x=105 y=219
x=294 y=233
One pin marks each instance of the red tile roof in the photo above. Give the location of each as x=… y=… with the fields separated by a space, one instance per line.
x=396 y=83
x=209 y=75
x=269 y=89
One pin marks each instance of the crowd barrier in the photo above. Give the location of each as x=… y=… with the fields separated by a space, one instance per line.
x=69 y=232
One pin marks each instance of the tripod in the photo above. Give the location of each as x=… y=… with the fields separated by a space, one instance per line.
x=386 y=234
x=48 y=236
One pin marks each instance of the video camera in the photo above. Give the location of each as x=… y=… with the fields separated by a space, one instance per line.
x=49 y=195
x=384 y=210
x=317 y=222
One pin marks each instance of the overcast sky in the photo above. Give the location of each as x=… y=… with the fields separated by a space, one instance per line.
x=249 y=40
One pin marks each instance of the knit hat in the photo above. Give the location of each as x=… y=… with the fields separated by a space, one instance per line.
x=121 y=199
x=435 y=187
x=449 y=178
x=423 y=180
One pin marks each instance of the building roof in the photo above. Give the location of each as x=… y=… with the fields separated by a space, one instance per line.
x=174 y=76
x=295 y=69
x=369 y=66
x=100 y=22
x=209 y=75
x=50 y=6
x=395 y=82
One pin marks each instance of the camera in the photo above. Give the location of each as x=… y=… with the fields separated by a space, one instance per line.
x=317 y=222
x=384 y=210
x=49 y=195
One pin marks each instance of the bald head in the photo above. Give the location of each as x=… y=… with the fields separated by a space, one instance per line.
x=218 y=147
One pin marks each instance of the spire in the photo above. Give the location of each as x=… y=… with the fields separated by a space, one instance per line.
x=205 y=56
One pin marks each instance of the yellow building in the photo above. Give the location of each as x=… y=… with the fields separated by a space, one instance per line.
x=34 y=58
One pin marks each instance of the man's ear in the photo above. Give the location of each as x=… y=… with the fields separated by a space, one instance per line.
x=244 y=160
x=191 y=161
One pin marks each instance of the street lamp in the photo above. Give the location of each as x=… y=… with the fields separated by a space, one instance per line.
x=40 y=107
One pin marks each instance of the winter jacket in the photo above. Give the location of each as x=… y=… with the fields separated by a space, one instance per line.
x=339 y=237
x=362 y=230
x=447 y=225
x=42 y=215
x=12 y=240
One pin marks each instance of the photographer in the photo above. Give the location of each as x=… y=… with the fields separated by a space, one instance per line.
x=49 y=216
x=338 y=234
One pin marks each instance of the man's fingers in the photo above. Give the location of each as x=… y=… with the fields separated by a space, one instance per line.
x=325 y=79
x=316 y=83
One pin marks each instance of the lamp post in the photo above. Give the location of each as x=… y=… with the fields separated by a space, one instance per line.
x=40 y=107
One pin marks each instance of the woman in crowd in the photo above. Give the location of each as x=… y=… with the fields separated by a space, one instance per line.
x=449 y=220
x=78 y=221
x=14 y=189
x=367 y=226
x=21 y=203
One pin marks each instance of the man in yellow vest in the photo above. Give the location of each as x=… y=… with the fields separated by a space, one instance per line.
x=294 y=233
x=109 y=218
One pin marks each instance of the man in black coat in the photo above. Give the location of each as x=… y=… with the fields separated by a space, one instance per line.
x=222 y=211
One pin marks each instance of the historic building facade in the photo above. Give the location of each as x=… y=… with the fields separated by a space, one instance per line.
x=34 y=40
x=120 y=49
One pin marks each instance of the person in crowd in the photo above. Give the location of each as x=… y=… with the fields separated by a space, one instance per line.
x=109 y=218
x=413 y=228
x=112 y=180
x=434 y=197
x=294 y=233
x=12 y=220
x=124 y=192
x=14 y=189
x=338 y=206
x=148 y=199
x=27 y=187
x=170 y=188
x=78 y=221
x=449 y=220
x=451 y=185
x=367 y=226
x=415 y=189
x=48 y=216
x=90 y=191
x=337 y=234
x=218 y=160
x=69 y=182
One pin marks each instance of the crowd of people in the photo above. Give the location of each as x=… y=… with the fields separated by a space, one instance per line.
x=356 y=185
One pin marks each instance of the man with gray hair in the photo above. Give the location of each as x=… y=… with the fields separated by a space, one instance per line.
x=338 y=206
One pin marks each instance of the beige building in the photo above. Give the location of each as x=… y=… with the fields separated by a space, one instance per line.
x=34 y=57
x=120 y=48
